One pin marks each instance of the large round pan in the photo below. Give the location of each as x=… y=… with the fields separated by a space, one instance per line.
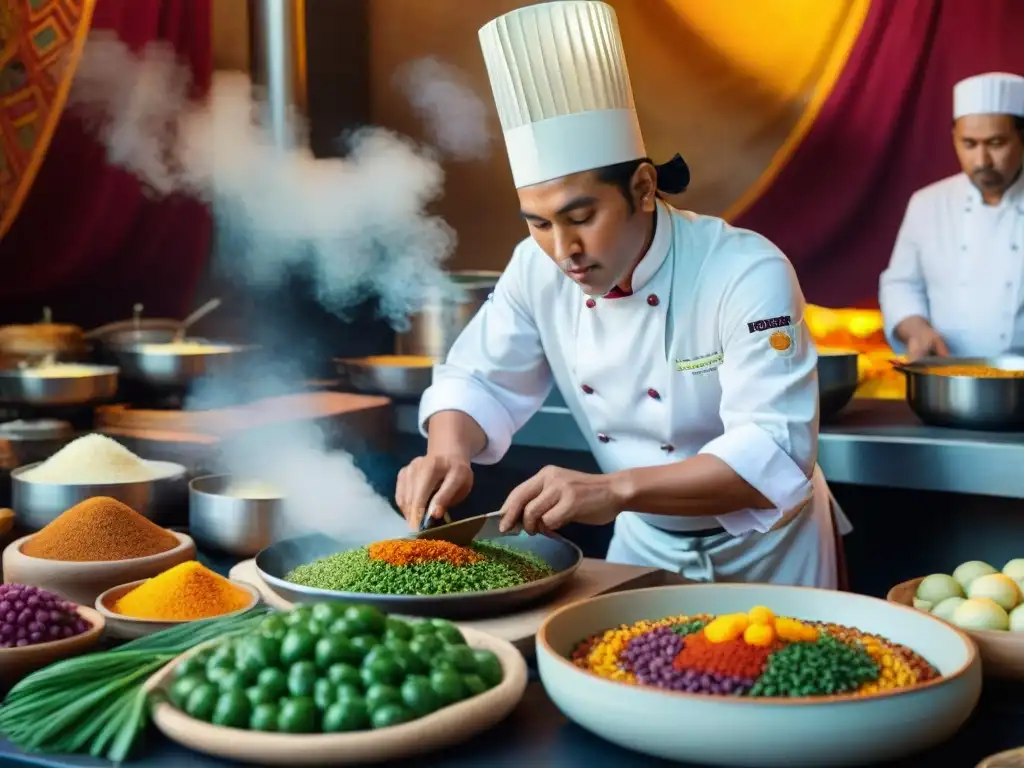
x=277 y=560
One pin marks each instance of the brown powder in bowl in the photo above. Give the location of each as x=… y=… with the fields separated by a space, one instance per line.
x=99 y=529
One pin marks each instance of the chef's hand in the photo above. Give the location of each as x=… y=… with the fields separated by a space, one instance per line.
x=450 y=476
x=921 y=339
x=556 y=496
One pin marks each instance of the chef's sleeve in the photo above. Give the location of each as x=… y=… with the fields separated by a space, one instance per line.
x=769 y=383
x=901 y=286
x=496 y=372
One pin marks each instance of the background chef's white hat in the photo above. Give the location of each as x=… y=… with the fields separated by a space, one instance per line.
x=559 y=77
x=993 y=93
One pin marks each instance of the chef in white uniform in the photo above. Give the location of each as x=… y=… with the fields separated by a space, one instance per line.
x=677 y=340
x=953 y=285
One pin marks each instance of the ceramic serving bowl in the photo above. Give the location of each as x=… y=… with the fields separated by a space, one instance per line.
x=16 y=663
x=444 y=728
x=82 y=582
x=39 y=504
x=1002 y=653
x=128 y=627
x=811 y=732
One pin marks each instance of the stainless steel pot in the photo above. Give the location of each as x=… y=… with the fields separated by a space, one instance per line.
x=837 y=381
x=966 y=402
x=434 y=329
x=234 y=525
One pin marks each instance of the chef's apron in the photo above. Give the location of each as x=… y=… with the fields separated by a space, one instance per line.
x=800 y=553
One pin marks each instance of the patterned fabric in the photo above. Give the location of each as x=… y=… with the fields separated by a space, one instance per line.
x=40 y=44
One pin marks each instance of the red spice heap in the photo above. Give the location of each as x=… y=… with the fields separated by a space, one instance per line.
x=733 y=657
x=418 y=551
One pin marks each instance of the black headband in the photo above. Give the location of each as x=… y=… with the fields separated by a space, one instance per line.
x=673 y=176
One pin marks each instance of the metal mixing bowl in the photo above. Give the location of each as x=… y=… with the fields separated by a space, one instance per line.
x=169 y=370
x=837 y=381
x=39 y=504
x=231 y=524
x=22 y=387
x=365 y=375
x=966 y=402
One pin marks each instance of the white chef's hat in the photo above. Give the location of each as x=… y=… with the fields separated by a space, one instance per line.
x=559 y=77
x=994 y=93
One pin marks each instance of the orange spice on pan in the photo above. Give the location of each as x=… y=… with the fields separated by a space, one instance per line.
x=416 y=551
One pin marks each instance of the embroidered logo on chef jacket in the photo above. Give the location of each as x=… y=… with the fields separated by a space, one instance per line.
x=698 y=366
x=783 y=341
x=766 y=325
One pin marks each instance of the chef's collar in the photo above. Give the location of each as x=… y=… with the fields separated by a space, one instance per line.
x=656 y=254
x=1013 y=196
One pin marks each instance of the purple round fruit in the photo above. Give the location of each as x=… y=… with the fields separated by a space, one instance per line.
x=29 y=615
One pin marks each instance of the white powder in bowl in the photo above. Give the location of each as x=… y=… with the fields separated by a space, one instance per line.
x=93 y=460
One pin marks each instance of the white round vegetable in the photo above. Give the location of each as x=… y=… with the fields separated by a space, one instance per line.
x=1017 y=619
x=981 y=613
x=967 y=572
x=998 y=587
x=923 y=605
x=937 y=587
x=944 y=610
x=1015 y=569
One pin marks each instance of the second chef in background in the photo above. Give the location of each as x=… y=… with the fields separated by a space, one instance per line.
x=677 y=340
x=954 y=284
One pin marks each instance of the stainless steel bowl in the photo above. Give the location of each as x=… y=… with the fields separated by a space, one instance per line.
x=435 y=327
x=365 y=375
x=230 y=524
x=163 y=369
x=20 y=386
x=39 y=504
x=966 y=402
x=837 y=381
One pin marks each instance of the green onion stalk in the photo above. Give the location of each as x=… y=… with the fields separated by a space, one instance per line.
x=95 y=704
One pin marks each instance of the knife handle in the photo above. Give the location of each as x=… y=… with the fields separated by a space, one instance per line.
x=429 y=521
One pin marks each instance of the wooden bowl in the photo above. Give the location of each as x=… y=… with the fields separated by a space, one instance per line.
x=16 y=663
x=128 y=628
x=446 y=727
x=1002 y=653
x=756 y=732
x=82 y=583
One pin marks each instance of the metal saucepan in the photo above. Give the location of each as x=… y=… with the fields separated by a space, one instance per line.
x=233 y=524
x=837 y=381
x=404 y=376
x=275 y=562
x=58 y=384
x=966 y=402
x=434 y=328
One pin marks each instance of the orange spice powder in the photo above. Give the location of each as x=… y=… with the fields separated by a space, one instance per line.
x=733 y=657
x=417 y=551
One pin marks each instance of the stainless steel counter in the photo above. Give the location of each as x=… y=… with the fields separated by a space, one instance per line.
x=872 y=442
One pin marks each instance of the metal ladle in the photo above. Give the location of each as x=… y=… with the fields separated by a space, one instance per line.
x=195 y=317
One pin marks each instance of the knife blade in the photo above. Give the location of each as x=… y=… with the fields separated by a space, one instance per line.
x=465 y=532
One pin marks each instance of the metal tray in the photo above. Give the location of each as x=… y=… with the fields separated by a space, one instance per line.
x=277 y=560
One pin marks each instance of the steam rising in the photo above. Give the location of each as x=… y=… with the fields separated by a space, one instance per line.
x=357 y=226
x=455 y=118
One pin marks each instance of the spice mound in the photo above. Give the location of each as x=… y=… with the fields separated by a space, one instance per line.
x=186 y=592
x=93 y=459
x=755 y=654
x=422 y=567
x=99 y=529
x=29 y=615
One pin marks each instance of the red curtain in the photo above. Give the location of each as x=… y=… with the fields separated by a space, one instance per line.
x=884 y=133
x=87 y=242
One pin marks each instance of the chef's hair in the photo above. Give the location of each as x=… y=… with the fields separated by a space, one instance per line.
x=673 y=176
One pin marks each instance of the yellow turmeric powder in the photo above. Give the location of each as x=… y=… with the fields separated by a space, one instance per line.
x=186 y=592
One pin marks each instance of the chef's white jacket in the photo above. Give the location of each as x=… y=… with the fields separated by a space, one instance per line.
x=709 y=354
x=958 y=263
